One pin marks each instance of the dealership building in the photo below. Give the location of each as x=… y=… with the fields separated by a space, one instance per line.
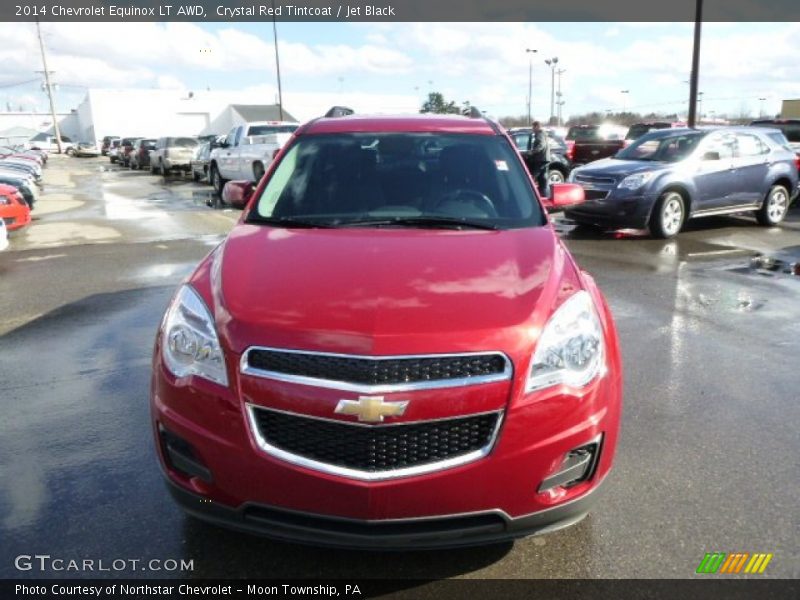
x=156 y=113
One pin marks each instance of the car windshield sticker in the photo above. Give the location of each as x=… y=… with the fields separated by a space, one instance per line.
x=501 y=165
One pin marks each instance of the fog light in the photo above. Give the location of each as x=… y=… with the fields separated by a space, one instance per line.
x=180 y=457
x=578 y=466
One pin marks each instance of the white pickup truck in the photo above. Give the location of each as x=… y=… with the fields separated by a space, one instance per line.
x=248 y=151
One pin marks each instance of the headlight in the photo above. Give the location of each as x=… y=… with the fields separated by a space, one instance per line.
x=634 y=182
x=190 y=345
x=571 y=349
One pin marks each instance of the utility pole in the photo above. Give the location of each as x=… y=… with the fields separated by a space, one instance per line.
x=277 y=61
x=49 y=88
x=698 y=26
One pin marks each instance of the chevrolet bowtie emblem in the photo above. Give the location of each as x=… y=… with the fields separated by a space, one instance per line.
x=371 y=409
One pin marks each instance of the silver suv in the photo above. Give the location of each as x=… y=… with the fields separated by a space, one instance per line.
x=172 y=153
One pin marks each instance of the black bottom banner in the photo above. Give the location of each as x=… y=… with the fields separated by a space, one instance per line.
x=644 y=589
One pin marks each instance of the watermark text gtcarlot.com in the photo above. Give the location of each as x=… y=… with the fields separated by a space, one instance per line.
x=46 y=563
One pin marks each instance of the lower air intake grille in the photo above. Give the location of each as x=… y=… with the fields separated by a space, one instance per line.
x=378 y=448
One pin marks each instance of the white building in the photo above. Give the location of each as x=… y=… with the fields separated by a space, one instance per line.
x=157 y=113
x=239 y=114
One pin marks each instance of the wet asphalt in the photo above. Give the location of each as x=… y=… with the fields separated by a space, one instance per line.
x=710 y=332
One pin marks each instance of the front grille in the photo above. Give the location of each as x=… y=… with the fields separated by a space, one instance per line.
x=360 y=370
x=373 y=449
x=590 y=180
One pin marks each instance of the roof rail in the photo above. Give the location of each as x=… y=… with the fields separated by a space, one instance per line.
x=473 y=112
x=339 y=111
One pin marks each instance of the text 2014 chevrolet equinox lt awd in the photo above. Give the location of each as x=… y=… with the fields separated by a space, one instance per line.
x=671 y=175
x=391 y=349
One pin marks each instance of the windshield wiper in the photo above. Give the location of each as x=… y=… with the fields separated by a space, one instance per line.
x=432 y=222
x=290 y=222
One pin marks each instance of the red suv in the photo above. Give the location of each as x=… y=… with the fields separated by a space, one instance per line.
x=392 y=348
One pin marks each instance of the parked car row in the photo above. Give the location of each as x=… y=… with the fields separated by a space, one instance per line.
x=245 y=153
x=656 y=175
x=20 y=179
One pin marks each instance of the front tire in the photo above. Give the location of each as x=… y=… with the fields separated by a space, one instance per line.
x=217 y=181
x=668 y=215
x=775 y=206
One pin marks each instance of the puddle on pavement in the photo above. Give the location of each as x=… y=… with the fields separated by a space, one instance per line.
x=769 y=266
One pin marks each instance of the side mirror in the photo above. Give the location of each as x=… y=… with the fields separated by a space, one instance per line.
x=237 y=193
x=711 y=156
x=566 y=194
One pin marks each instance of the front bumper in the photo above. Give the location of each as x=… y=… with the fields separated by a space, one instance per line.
x=493 y=498
x=444 y=531
x=631 y=212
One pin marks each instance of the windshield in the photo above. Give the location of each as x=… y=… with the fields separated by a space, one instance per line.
x=183 y=142
x=400 y=179
x=267 y=129
x=671 y=148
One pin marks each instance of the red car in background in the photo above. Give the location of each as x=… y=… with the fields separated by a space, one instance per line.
x=391 y=349
x=14 y=211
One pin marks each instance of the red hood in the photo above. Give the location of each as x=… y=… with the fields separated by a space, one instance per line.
x=384 y=291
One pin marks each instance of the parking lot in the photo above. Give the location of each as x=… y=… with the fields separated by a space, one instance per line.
x=710 y=333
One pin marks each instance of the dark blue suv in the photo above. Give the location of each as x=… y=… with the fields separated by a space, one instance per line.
x=671 y=175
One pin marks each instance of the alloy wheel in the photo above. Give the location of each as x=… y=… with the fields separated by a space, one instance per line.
x=777 y=204
x=672 y=214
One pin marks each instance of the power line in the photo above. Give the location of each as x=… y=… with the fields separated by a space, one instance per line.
x=18 y=83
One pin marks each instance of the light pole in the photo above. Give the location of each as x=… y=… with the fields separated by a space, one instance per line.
x=530 y=52
x=552 y=62
x=624 y=99
x=560 y=102
x=761 y=107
